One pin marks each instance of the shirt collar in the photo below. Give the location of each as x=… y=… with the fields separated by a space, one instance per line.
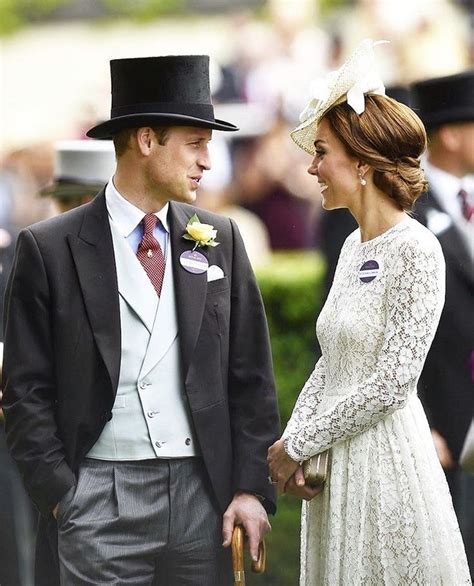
x=127 y=216
x=443 y=182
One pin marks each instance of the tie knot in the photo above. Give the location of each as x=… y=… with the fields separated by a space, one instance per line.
x=149 y=223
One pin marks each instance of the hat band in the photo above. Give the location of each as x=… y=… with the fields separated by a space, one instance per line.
x=196 y=110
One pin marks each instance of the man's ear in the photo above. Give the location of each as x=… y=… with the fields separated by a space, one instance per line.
x=145 y=137
x=449 y=136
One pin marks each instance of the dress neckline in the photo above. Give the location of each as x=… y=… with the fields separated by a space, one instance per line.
x=380 y=237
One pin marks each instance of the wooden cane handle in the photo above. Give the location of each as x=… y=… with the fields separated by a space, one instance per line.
x=238 y=555
x=258 y=567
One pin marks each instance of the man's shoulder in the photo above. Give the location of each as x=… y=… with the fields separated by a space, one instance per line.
x=60 y=225
x=206 y=217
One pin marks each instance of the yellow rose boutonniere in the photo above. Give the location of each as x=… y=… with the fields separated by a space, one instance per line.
x=201 y=234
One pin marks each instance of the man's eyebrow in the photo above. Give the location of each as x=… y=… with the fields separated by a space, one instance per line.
x=199 y=137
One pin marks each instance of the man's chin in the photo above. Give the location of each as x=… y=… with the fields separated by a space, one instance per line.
x=188 y=197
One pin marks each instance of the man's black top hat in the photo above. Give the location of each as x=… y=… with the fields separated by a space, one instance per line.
x=160 y=91
x=401 y=93
x=443 y=100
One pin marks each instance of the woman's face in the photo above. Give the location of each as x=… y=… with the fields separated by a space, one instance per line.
x=336 y=171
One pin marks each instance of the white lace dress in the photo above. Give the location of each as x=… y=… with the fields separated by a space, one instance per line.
x=385 y=516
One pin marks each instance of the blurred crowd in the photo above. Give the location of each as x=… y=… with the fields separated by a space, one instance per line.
x=258 y=177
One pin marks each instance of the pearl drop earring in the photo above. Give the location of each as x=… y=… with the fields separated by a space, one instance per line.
x=362 y=180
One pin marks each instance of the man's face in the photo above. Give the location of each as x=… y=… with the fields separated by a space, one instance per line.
x=465 y=132
x=175 y=169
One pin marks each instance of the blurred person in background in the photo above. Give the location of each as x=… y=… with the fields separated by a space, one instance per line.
x=138 y=389
x=269 y=181
x=440 y=49
x=446 y=106
x=82 y=168
x=22 y=175
x=385 y=515
x=215 y=196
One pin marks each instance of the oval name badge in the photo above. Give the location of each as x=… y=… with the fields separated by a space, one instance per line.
x=194 y=262
x=369 y=271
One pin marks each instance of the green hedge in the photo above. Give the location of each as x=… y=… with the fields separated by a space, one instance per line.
x=292 y=289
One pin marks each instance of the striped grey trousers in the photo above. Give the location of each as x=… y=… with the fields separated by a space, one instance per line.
x=150 y=522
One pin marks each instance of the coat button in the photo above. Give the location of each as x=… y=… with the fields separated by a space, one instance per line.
x=188 y=441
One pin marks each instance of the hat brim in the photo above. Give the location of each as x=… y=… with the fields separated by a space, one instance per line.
x=433 y=120
x=67 y=191
x=107 y=129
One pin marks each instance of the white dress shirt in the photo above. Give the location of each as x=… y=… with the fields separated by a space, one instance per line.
x=127 y=218
x=446 y=188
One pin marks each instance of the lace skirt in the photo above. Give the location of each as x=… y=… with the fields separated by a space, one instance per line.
x=386 y=516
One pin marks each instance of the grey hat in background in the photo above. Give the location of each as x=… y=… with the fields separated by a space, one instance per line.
x=444 y=100
x=82 y=167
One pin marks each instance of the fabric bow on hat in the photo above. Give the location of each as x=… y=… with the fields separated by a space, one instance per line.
x=350 y=83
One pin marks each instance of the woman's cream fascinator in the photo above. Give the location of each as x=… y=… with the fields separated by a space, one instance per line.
x=350 y=83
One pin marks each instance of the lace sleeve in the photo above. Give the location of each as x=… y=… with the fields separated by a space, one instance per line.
x=308 y=399
x=415 y=297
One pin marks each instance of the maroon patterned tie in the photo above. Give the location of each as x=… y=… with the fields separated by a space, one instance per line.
x=467 y=207
x=149 y=253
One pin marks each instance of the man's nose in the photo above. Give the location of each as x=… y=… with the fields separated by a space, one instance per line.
x=204 y=161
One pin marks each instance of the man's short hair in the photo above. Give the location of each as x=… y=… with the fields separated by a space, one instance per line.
x=122 y=139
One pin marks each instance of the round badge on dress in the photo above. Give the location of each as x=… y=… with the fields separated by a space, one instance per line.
x=369 y=271
x=194 y=262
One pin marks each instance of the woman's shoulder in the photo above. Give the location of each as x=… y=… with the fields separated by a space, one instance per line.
x=417 y=246
x=416 y=237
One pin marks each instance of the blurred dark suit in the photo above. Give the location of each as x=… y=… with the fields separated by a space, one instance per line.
x=446 y=387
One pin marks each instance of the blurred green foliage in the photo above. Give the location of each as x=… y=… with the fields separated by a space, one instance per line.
x=292 y=288
x=14 y=13
x=143 y=10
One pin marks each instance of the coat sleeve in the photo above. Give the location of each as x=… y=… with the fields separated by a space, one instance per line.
x=252 y=399
x=29 y=392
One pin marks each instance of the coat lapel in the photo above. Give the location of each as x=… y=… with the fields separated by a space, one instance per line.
x=93 y=255
x=190 y=289
x=451 y=240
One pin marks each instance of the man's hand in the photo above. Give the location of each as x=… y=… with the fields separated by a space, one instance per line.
x=444 y=453
x=282 y=467
x=245 y=509
x=55 y=511
x=296 y=487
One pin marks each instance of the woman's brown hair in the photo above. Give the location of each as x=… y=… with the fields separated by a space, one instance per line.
x=390 y=138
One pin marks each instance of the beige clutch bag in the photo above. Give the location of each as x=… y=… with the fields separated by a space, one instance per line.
x=467 y=455
x=316 y=469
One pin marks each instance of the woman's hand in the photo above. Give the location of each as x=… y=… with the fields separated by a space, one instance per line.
x=282 y=467
x=296 y=487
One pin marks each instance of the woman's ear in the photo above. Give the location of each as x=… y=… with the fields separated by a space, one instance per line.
x=362 y=169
